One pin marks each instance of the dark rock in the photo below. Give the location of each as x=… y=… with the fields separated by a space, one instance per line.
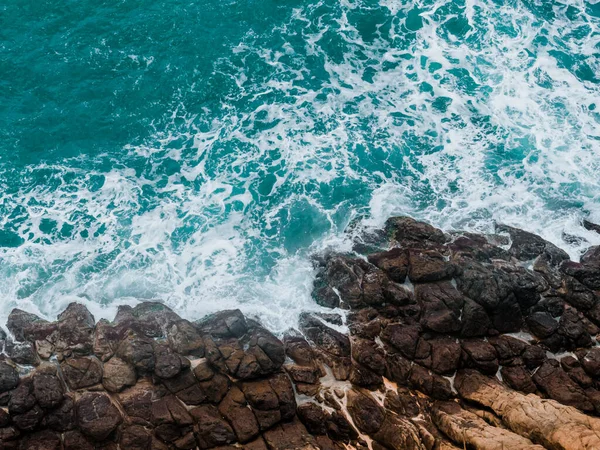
x=234 y=409
x=441 y=306
x=149 y=319
x=168 y=364
x=97 y=417
x=42 y=440
x=541 y=324
x=74 y=440
x=118 y=375
x=138 y=351
x=137 y=401
x=62 y=418
x=370 y=355
x=402 y=337
x=213 y=384
x=553 y=380
x=518 y=378
x=82 y=372
x=289 y=436
x=428 y=265
x=409 y=232
x=445 y=355
x=475 y=320
x=107 y=339
x=172 y=420
x=313 y=417
x=393 y=262
x=480 y=355
x=526 y=246
x=224 y=324
x=363 y=377
x=75 y=331
x=572 y=326
x=339 y=428
x=263 y=400
x=22 y=353
x=28 y=420
x=429 y=383
x=135 y=437
x=366 y=413
x=592 y=256
x=186 y=388
x=9 y=378
x=508 y=349
x=26 y=326
x=591 y=226
x=533 y=356
x=591 y=362
x=212 y=429
x=184 y=339
x=402 y=402
x=47 y=389
x=22 y=398
x=588 y=275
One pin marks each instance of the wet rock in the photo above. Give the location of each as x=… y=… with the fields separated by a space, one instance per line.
x=429 y=383
x=149 y=319
x=290 y=436
x=541 y=324
x=526 y=246
x=41 y=440
x=168 y=364
x=212 y=430
x=75 y=331
x=518 y=378
x=62 y=418
x=22 y=398
x=363 y=377
x=137 y=401
x=9 y=378
x=591 y=362
x=22 y=353
x=402 y=402
x=428 y=265
x=263 y=400
x=409 y=232
x=135 y=437
x=82 y=372
x=475 y=321
x=402 y=337
x=47 y=389
x=97 y=417
x=224 y=324
x=393 y=262
x=314 y=418
x=572 y=328
x=184 y=339
x=586 y=274
x=29 y=420
x=533 y=356
x=366 y=413
x=213 y=384
x=591 y=226
x=138 y=351
x=117 y=375
x=441 y=306
x=553 y=380
x=234 y=409
x=370 y=355
x=107 y=339
x=186 y=388
x=480 y=355
x=27 y=327
x=172 y=421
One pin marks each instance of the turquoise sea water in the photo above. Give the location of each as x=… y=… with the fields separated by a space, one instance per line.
x=198 y=152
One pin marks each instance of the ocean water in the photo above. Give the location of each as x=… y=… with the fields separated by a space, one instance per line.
x=198 y=152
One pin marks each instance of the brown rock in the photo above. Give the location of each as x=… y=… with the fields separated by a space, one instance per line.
x=428 y=265
x=224 y=324
x=365 y=411
x=234 y=409
x=47 y=389
x=186 y=388
x=184 y=339
x=74 y=440
x=137 y=401
x=518 y=378
x=135 y=437
x=552 y=380
x=9 y=378
x=138 y=351
x=118 y=375
x=82 y=372
x=393 y=262
x=480 y=355
x=168 y=364
x=370 y=355
x=212 y=429
x=62 y=418
x=290 y=436
x=41 y=440
x=97 y=417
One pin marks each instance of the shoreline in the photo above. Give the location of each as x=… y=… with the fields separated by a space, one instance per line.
x=429 y=361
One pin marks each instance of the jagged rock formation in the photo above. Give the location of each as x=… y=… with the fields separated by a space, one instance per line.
x=450 y=343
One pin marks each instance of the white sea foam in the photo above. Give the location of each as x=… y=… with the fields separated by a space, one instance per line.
x=521 y=148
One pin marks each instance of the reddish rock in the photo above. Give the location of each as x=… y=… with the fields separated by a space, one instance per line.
x=97 y=417
x=135 y=437
x=212 y=429
x=428 y=265
x=234 y=409
x=117 y=375
x=393 y=262
x=138 y=351
x=518 y=378
x=82 y=372
x=553 y=380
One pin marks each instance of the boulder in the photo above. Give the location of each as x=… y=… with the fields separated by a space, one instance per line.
x=184 y=339
x=117 y=375
x=526 y=246
x=23 y=353
x=82 y=372
x=409 y=233
x=553 y=380
x=234 y=409
x=224 y=324
x=47 y=389
x=25 y=326
x=135 y=437
x=138 y=351
x=542 y=324
x=97 y=417
x=481 y=355
x=137 y=401
x=441 y=306
x=212 y=429
x=518 y=378
x=42 y=440
x=9 y=377
x=62 y=418
x=428 y=265
x=393 y=262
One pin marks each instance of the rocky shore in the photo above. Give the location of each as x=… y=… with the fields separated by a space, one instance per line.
x=447 y=341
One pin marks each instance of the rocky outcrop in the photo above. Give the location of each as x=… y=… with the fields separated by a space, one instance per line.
x=448 y=340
